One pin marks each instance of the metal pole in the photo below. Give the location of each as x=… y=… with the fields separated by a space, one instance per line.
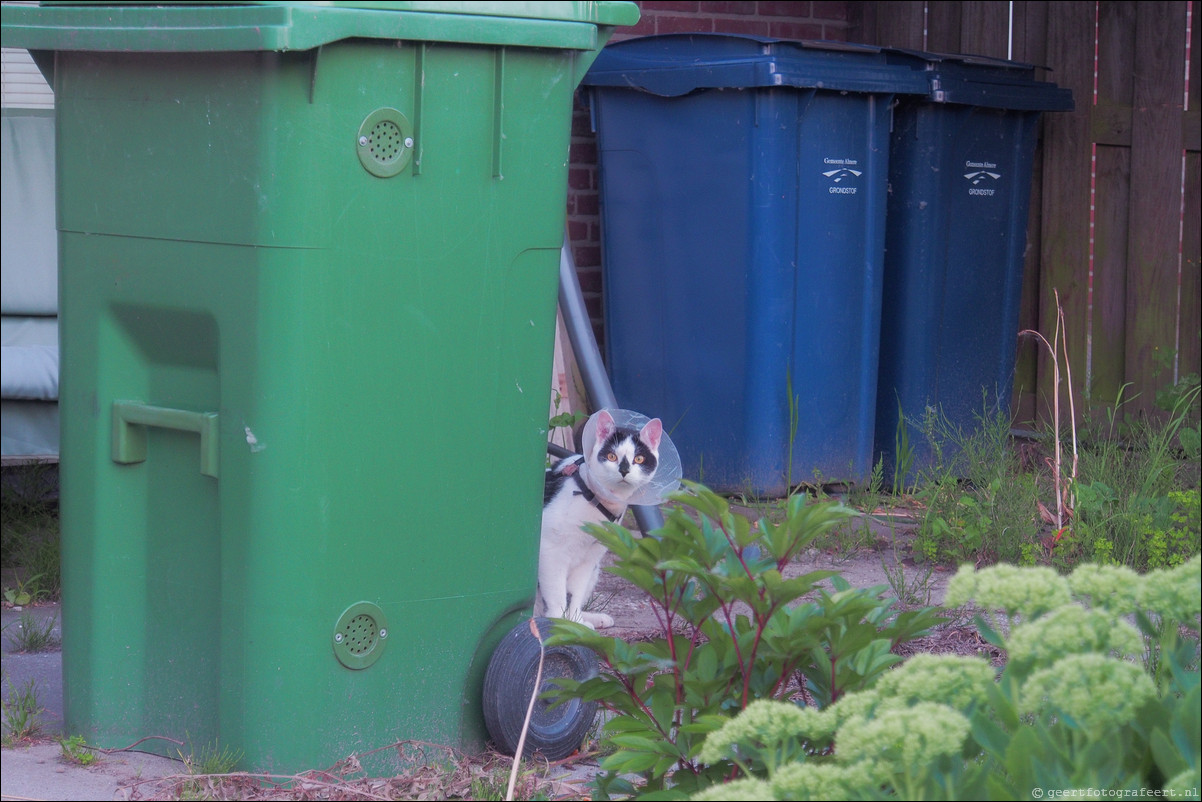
x=588 y=357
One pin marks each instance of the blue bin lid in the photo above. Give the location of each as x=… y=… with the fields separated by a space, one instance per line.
x=983 y=81
x=672 y=65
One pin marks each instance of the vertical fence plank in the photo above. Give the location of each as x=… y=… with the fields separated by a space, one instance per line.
x=984 y=28
x=1030 y=45
x=1189 y=330
x=897 y=24
x=1065 y=231
x=1139 y=131
x=1111 y=132
x=943 y=27
x=1156 y=147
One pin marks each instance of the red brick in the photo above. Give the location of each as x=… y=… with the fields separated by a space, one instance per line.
x=580 y=178
x=834 y=33
x=583 y=151
x=595 y=312
x=645 y=27
x=730 y=7
x=795 y=30
x=658 y=5
x=587 y=203
x=829 y=10
x=578 y=230
x=590 y=279
x=748 y=27
x=772 y=8
x=586 y=255
x=582 y=123
x=667 y=24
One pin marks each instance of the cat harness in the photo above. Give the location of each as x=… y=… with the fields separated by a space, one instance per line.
x=585 y=490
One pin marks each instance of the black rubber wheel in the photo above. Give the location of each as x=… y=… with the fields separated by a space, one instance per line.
x=556 y=732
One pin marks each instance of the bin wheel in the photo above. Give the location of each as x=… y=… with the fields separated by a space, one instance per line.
x=555 y=732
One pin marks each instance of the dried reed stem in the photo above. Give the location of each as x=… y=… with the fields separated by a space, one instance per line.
x=538 y=679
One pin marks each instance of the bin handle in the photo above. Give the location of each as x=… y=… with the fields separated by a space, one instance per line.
x=130 y=419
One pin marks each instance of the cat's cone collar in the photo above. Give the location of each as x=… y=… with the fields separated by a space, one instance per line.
x=668 y=471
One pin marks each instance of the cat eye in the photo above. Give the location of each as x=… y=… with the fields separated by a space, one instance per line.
x=612 y=457
x=639 y=460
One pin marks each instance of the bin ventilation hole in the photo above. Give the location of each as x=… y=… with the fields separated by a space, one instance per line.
x=386 y=141
x=360 y=635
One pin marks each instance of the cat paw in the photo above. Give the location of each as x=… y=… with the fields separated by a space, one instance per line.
x=596 y=620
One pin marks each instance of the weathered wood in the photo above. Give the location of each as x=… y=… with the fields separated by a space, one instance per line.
x=1143 y=301
x=1156 y=148
x=1116 y=88
x=1111 y=124
x=1066 y=179
x=1189 y=328
x=944 y=27
x=899 y=24
x=1030 y=45
x=985 y=28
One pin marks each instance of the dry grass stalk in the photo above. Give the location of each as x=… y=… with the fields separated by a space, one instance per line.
x=538 y=679
x=1065 y=502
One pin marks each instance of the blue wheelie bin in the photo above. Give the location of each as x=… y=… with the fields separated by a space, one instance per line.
x=960 y=170
x=743 y=185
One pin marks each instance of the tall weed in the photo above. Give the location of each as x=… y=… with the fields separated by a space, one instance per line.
x=734 y=628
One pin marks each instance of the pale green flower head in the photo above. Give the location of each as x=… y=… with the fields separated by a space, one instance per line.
x=948 y=679
x=1072 y=630
x=904 y=737
x=1116 y=588
x=1099 y=693
x=1173 y=592
x=850 y=705
x=824 y=781
x=1183 y=783
x=763 y=722
x=748 y=789
x=1025 y=591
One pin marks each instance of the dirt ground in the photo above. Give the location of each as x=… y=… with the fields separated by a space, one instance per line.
x=886 y=562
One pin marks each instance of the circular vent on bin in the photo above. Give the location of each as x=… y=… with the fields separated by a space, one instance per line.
x=359 y=635
x=385 y=143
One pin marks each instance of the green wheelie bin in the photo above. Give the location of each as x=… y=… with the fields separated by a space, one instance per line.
x=308 y=268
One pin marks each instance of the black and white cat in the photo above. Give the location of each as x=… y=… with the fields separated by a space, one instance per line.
x=583 y=489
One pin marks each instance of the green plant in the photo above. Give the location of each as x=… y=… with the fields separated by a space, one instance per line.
x=979 y=504
x=22 y=594
x=75 y=750
x=903 y=453
x=32 y=635
x=21 y=712
x=1070 y=710
x=29 y=533
x=1131 y=506
x=212 y=759
x=733 y=630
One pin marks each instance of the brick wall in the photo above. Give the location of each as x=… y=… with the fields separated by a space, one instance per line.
x=774 y=18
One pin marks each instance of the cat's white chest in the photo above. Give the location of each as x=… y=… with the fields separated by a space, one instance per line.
x=563 y=535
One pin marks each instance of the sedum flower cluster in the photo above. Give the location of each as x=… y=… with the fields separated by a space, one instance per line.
x=1074 y=661
x=1095 y=692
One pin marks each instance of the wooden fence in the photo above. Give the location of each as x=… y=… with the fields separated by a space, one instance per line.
x=1115 y=211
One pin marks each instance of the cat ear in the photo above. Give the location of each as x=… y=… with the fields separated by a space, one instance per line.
x=651 y=433
x=605 y=426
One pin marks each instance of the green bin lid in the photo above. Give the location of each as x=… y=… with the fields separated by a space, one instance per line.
x=283 y=26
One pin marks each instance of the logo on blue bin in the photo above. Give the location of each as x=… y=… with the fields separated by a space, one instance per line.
x=982 y=177
x=842 y=176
